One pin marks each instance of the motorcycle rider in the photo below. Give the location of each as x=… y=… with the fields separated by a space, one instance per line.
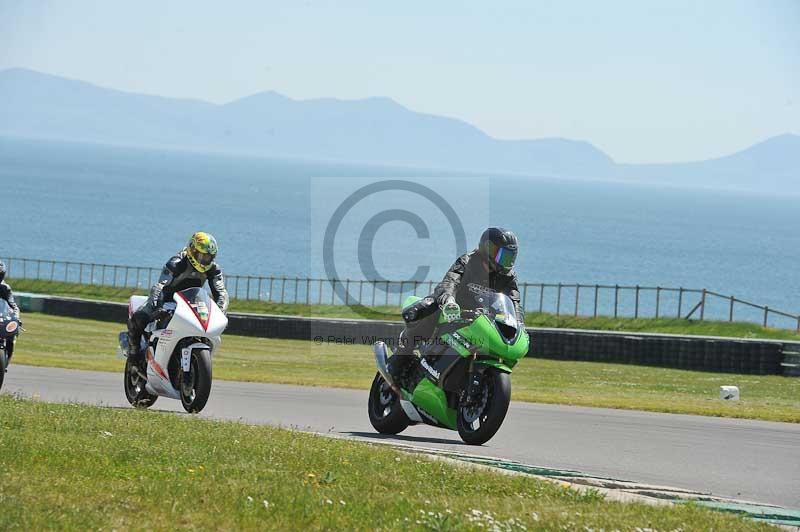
x=8 y=295
x=191 y=267
x=490 y=265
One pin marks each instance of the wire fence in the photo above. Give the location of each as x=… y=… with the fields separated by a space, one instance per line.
x=556 y=298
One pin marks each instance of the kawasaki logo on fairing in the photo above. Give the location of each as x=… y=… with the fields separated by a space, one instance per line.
x=428 y=367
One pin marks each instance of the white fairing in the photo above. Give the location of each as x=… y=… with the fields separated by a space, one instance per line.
x=185 y=322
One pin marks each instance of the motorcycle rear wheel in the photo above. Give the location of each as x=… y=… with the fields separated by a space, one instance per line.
x=194 y=394
x=477 y=424
x=135 y=391
x=385 y=413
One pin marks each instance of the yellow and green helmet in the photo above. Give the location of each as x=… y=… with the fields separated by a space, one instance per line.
x=201 y=251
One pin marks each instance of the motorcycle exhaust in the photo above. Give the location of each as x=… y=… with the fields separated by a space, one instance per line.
x=382 y=362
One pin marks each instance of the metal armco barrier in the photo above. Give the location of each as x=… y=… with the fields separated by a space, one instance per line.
x=699 y=353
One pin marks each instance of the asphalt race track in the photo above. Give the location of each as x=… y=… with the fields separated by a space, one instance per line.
x=751 y=460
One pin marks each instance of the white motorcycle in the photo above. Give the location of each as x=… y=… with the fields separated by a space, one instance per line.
x=178 y=346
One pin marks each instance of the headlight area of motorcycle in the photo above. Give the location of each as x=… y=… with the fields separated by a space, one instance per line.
x=11 y=326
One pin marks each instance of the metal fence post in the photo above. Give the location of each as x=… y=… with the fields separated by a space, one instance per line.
x=360 y=290
x=577 y=295
x=52 y=269
x=283 y=287
x=269 y=296
x=680 y=302
x=766 y=315
x=616 y=299
x=636 y=306
x=260 y=279
x=541 y=297
x=91 y=273
x=66 y=269
x=703 y=305
x=308 y=288
x=658 y=299
x=296 y=283
x=596 y=291
x=558 y=300
x=38 y=268
x=347 y=292
x=80 y=273
x=730 y=312
x=247 y=288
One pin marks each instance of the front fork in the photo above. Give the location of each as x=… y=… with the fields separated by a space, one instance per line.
x=186 y=366
x=474 y=375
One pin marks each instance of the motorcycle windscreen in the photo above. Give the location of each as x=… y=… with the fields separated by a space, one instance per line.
x=9 y=326
x=5 y=308
x=501 y=309
x=200 y=303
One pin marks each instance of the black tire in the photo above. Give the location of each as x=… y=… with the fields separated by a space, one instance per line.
x=385 y=412
x=3 y=364
x=194 y=395
x=135 y=391
x=496 y=390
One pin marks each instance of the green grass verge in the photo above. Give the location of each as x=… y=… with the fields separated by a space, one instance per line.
x=88 y=468
x=663 y=325
x=86 y=344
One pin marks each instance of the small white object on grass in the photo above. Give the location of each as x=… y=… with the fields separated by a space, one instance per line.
x=729 y=393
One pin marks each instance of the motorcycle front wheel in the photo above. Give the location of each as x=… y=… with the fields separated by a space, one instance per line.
x=3 y=365
x=385 y=413
x=478 y=422
x=195 y=390
x=135 y=391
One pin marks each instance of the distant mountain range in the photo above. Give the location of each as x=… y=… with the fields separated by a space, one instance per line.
x=372 y=130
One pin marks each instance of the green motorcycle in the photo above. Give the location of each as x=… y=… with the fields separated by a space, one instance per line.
x=461 y=380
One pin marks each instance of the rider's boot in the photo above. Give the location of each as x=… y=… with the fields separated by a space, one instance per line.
x=402 y=357
x=135 y=352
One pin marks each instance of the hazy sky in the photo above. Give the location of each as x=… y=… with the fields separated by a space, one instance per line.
x=643 y=81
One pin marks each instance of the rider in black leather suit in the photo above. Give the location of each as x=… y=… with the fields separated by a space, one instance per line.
x=8 y=295
x=489 y=265
x=192 y=267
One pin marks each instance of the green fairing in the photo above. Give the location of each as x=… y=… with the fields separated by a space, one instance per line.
x=483 y=335
x=432 y=400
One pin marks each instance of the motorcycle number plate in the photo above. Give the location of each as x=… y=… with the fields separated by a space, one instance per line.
x=186 y=356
